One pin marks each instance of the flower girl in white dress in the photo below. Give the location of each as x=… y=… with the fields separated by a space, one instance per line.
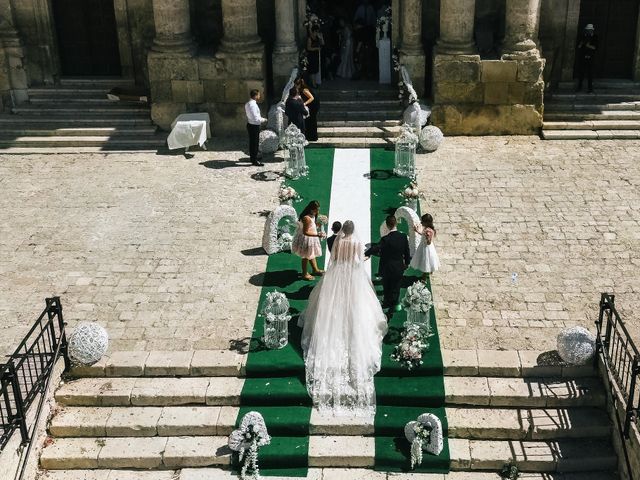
x=426 y=258
x=342 y=331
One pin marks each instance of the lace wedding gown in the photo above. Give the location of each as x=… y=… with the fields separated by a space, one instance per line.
x=343 y=326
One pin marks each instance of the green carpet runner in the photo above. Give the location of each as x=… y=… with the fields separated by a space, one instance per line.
x=275 y=384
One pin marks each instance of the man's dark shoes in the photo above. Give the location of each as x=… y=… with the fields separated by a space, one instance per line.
x=257 y=163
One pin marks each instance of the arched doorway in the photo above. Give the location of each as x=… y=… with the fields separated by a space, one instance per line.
x=615 y=23
x=87 y=37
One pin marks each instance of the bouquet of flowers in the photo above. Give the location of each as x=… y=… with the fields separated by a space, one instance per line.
x=322 y=220
x=423 y=436
x=411 y=347
x=247 y=439
x=418 y=298
x=287 y=194
x=411 y=192
x=285 y=240
x=276 y=303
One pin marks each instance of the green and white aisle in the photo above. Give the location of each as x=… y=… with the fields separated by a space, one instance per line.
x=355 y=184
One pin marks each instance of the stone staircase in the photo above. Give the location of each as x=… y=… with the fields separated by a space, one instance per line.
x=166 y=415
x=611 y=112
x=362 y=114
x=76 y=115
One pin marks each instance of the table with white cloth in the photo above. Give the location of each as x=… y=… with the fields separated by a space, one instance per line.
x=189 y=129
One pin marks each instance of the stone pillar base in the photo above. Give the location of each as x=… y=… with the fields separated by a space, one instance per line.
x=283 y=63
x=415 y=62
x=488 y=97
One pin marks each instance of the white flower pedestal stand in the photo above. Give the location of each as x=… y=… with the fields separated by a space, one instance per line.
x=295 y=162
x=384 y=54
x=405 y=153
x=276 y=320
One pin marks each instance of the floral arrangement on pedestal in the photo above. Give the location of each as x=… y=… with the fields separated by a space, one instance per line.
x=276 y=320
x=414 y=340
x=411 y=194
x=247 y=440
x=277 y=237
x=287 y=195
x=405 y=152
x=424 y=434
x=295 y=162
x=322 y=220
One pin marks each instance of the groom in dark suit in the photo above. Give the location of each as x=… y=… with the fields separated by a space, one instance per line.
x=393 y=250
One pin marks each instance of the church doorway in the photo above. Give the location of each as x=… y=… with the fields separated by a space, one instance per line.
x=615 y=23
x=87 y=37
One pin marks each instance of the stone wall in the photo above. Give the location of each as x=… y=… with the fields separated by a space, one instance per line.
x=480 y=97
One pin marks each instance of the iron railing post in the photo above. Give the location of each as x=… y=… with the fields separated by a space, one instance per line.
x=19 y=417
x=631 y=409
x=57 y=306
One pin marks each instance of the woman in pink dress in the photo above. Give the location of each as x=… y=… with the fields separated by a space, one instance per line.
x=306 y=241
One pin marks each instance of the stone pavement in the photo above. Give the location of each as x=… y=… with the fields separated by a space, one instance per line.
x=164 y=251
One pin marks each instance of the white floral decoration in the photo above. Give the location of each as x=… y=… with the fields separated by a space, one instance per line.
x=294 y=142
x=269 y=141
x=88 y=343
x=287 y=194
x=425 y=433
x=247 y=439
x=418 y=298
x=413 y=343
x=576 y=345
x=411 y=217
x=270 y=241
x=275 y=302
x=431 y=137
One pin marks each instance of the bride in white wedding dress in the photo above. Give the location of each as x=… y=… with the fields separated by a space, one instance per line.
x=343 y=326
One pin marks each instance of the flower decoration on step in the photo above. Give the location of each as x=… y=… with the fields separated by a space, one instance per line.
x=275 y=302
x=576 y=345
x=277 y=226
x=418 y=298
x=411 y=194
x=287 y=195
x=311 y=19
x=276 y=320
x=294 y=142
x=87 y=344
x=424 y=434
x=247 y=440
x=413 y=343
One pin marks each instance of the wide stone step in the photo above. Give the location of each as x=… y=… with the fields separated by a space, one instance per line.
x=366 y=116
x=372 y=104
x=469 y=423
x=589 y=107
x=81 y=141
x=68 y=121
x=607 y=96
x=358 y=123
x=580 y=116
x=364 y=94
x=354 y=132
x=90 y=101
x=221 y=363
x=314 y=474
x=593 y=125
x=352 y=142
x=80 y=82
x=225 y=391
x=131 y=130
x=81 y=110
x=164 y=453
x=590 y=134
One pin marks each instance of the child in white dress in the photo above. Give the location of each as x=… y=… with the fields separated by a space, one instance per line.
x=426 y=258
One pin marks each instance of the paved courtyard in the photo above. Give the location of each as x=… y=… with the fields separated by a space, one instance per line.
x=164 y=251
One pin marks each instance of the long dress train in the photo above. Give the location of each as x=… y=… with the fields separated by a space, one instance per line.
x=343 y=326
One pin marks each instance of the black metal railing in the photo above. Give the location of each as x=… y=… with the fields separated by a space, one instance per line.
x=28 y=370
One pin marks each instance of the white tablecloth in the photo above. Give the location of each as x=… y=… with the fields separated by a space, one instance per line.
x=189 y=129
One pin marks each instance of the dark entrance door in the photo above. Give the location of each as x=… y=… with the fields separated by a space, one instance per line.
x=87 y=37
x=615 y=22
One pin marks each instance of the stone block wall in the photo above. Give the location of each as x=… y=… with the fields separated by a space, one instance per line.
x=488 y=97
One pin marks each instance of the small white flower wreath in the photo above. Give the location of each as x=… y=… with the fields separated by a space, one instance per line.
x=425 y=433
x=270 y=240
x=249 y=437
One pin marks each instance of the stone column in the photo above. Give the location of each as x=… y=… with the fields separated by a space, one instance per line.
x=285 y=50
x=240 y=26
x=173 y=26
x=456 y=27
x=13 y=77
x=411 y=49
x=521 y=26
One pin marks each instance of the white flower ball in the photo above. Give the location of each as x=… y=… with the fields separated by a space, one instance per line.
x=576 y=345
x=88 y=343
x=275 y=119
x=430 y=138
x=269 y=141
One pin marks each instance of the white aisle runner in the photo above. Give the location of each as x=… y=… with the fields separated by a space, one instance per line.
x=351 y=192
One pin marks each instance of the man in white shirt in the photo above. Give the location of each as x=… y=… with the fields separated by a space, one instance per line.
x=254 y=120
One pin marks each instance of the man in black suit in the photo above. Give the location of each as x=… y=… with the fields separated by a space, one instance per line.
x=295 y=110
x=393 y=250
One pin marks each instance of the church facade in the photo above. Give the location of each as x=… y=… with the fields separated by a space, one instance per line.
x=484 y=65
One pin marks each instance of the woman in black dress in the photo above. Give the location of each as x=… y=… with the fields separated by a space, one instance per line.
x=310 y=99
x=295 y=110
x=314 y=46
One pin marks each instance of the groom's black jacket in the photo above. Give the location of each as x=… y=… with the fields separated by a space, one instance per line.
x=393 y=250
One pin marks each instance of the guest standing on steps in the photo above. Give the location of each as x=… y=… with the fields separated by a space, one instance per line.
x=295 y=110
x=311 y=101
x=587 y=47
x=306 y=241
x=254 y=120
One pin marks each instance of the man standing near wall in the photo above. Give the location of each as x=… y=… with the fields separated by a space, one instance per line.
x=254 y=120
x=586 y=52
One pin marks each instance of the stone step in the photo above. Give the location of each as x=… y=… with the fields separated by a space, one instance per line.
x=614 y=84
x=132 y=130
x=90 y=101
x=352 y=142
x=591 y=134
x=358 y=123
x=354 y=132
x=338 y=116
x=365 y=94
x=579 y=117
x=225 y=391
x=359 y=110
x=590 y=107
x=164 y=453
x=469 y=423
x=598 y=97
x=37 y=121
x=223 y=363
x=110 y=82
x=593 y=125
x=82 y=141
x=314 y=474
x=82 y=110
x=373 y=104
x=68 y=92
